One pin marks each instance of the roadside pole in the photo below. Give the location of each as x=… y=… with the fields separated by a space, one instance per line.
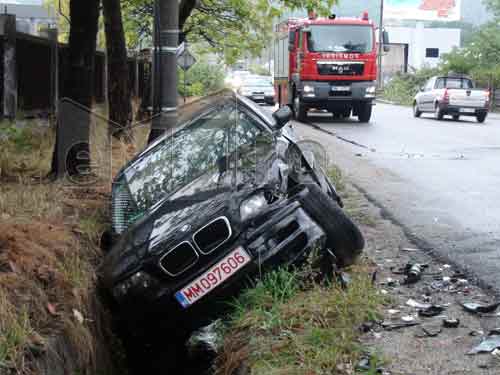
x=166 y=40
x=380 y=45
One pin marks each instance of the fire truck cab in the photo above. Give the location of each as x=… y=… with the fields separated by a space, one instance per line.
x=327 y=64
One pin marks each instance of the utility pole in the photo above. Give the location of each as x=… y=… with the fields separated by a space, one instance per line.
x=166 y=40
x=380 y=45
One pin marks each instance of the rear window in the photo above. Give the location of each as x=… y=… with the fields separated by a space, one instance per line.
x=454 y=83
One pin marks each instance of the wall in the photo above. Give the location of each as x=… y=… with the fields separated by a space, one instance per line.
x=420 y=38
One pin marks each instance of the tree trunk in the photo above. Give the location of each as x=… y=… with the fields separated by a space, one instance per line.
x=120 y=108
x=72 y=153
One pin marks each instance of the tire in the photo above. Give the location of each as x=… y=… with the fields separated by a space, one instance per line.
x=416 y=112
x=299 y=109
x=481 y=117
x=438 y=113
x=456 y=117
x=343 y=236
x=365 y=112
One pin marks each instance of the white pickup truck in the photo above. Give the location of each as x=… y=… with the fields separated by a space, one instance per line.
x=454 y=96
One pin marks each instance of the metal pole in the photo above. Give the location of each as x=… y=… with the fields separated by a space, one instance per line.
x=380 y=45
x=166 y=42
x=185 y=71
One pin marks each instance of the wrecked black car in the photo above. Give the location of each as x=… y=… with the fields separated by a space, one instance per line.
x=226 y=196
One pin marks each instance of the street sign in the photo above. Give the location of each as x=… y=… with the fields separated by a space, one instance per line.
x=185 y=59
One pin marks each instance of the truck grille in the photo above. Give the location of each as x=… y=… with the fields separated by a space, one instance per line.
x=213 y=235
x=341 y=68
x=179 y=259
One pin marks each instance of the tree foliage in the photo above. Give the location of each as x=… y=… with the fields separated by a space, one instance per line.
x=479 y=58
x=232 y=28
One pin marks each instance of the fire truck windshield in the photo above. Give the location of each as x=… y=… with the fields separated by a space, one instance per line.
x=340 y=38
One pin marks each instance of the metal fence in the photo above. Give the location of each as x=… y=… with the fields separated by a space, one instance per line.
x=32 y=71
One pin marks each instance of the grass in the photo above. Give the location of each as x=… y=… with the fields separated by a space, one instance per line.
x=15 y=335
x=353 y=206
x=280 y=327
x=49 y=250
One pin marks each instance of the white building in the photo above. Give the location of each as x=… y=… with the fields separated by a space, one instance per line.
x=422 y=46
x=30 y=18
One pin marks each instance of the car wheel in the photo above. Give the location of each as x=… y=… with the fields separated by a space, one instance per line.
x=416 y=112
x=438 y=113
x=456 y=117
x=365 y=112
x=481 y=117
x=343 y=236
x=299 y=110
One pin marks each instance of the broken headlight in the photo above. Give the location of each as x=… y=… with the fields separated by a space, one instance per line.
x=252 y=206
x=138 y=282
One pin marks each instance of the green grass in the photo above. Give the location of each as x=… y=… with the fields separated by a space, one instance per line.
x=353 y=206
x=15 y=335
x=279 y=327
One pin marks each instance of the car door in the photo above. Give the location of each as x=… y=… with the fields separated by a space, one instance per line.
x=427 y=97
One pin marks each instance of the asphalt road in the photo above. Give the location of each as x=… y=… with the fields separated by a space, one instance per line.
x=439 y=179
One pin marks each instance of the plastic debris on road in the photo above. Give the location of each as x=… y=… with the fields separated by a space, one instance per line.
x=451 y=323
x=432 y=311
x=418 y=305
x=488 y=345
x=476 y=308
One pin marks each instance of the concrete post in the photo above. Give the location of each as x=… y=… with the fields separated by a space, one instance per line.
x=53 y=35
x=8 y=104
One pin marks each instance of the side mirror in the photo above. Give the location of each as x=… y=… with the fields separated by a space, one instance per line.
x=282 y=116
x=422 y=89
x=291 y=40
x=385 y=41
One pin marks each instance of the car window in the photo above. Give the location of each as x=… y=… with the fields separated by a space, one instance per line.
x=430 y=85
x=259 y=82
x=454 y=83
x=196 y=158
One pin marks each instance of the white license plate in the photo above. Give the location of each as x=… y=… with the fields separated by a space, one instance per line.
x=467 y=110
x=215 y=276
x=341 y=88
x=258 y=97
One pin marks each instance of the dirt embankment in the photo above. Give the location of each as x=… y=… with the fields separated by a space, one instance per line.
x=51 y=321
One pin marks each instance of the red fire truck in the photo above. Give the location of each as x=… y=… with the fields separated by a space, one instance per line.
x=328 y=64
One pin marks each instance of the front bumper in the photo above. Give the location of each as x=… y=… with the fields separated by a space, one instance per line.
x=280 y=236
x=337 y=91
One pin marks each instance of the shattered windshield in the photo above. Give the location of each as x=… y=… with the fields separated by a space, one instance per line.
x=340 y=38
x=199 y=157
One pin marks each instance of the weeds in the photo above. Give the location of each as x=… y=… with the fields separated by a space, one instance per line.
x=299 y=331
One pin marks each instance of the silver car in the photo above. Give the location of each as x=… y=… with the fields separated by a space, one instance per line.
x=454 y=96
x=260 y=89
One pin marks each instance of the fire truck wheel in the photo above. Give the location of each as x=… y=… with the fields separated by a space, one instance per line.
x=299 y=110
x=365 y=112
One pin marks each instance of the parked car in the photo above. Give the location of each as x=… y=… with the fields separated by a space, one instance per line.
x=452 y=95
x=236 y=78
x=258 y=88
x=226 y=196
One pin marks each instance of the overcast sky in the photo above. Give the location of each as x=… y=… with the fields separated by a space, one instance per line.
x=39 y=2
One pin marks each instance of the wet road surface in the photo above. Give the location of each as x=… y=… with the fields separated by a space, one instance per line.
x=439 y=179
